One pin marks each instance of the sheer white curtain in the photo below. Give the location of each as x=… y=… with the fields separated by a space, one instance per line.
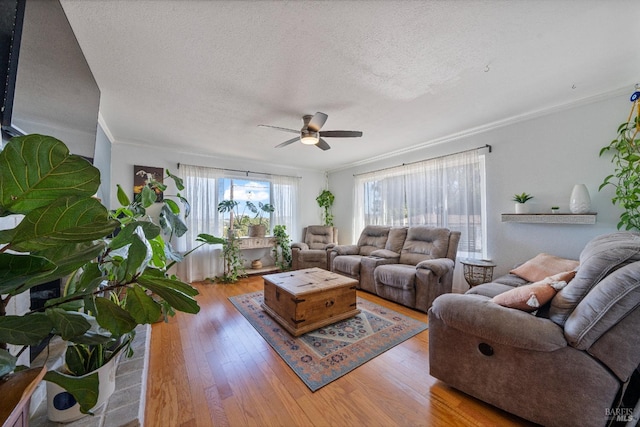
x=446 y=192
x=380 y=198
x=441 y=192
x=284 y=196
x=200 y=190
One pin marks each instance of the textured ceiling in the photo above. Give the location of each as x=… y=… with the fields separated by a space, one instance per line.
x=199 y=76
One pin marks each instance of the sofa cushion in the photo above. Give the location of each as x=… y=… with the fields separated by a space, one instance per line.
x=424 y=242
x=347 y=264
x=544 y=265
x=533 y=296
x=318 y=236
x=313 y=255
x=373 y=237
x=606 y=305
x=601 y=256
x=489 y=290
x=397 y=236
x=396 y=276
x=511 y=280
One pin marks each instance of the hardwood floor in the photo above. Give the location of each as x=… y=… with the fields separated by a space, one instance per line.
x=214 y=369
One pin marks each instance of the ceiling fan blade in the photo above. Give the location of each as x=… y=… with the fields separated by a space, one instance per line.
x=279 y=128
x=322 y=144
x=291 y=141
x=340 y=133
x=317 y=121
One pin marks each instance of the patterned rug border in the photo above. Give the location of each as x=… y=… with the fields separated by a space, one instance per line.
x=373 y=348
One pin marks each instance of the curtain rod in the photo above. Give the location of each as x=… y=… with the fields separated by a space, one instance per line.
x=247 y=172
x=424 y=160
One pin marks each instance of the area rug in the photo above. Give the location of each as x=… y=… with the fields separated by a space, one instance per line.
x=326 y=354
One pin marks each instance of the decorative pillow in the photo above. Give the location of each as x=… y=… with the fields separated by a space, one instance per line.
x=531 y=297
x=544 y=265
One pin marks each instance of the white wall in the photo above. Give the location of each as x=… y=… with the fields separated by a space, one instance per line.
x=102 y=161
x=125 y=156
x=543 y=156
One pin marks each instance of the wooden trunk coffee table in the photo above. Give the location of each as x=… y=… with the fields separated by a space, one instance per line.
x=305 y=300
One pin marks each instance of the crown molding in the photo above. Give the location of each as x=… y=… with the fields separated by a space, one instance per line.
x=490 y=126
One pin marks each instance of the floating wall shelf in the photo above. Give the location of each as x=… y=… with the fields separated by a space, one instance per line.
x=543 y=218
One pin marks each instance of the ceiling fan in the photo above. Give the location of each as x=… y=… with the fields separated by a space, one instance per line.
x=310 y=134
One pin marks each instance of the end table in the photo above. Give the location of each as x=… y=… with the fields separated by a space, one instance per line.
x=477 y=271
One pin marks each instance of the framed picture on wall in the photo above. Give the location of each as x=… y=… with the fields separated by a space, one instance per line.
x=143 y=175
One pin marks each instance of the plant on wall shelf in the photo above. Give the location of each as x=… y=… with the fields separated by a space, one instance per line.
x=522 y=198
x=626 y=160
x=325 y=201
x=282 y=250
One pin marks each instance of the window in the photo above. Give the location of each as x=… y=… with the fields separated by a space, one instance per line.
x=205 y=188
x=442 y=192
x=243 y=191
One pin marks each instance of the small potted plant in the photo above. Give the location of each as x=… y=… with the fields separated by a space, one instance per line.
x=520 y=200
x=259 y=229
x=555 y=209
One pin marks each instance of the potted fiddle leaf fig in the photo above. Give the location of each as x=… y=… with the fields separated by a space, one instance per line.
x=116 y=262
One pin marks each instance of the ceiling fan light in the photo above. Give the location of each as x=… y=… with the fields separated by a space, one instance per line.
x=310 y=139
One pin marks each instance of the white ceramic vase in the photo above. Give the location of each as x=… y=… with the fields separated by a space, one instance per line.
x=522 y=208
x=580 y=201
x=63 y=408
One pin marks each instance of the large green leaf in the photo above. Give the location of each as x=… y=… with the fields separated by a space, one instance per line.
x=36 y=170
x=84 y=389
x=149 y=229
x=7 y=362
x=210 y=239
x=15 y=270
x=67 y=220
x=173 y=292
x=24 y=330
x=141 y=306
x=114 y=318
x=68 y=258
x=68 y=324
x=138 y=257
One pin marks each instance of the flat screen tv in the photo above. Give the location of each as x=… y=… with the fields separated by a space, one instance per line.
x=50 y=88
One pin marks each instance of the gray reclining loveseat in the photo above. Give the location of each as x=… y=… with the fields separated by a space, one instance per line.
x=407 y=265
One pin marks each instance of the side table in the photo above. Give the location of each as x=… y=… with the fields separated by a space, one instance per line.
x=477 y=271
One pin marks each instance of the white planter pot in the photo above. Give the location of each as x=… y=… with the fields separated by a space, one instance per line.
x=63 y=408
x=522 y=208
x=580 y=201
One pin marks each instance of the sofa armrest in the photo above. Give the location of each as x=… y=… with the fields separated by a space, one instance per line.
x=479 y=316
x=439 y=266
x=329 y=246
x=301 y=246
x=385 y=253
x=346 y=249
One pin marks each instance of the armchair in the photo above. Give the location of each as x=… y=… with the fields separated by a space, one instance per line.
x=312 y=251
x=424 y=269
x=568 y=364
